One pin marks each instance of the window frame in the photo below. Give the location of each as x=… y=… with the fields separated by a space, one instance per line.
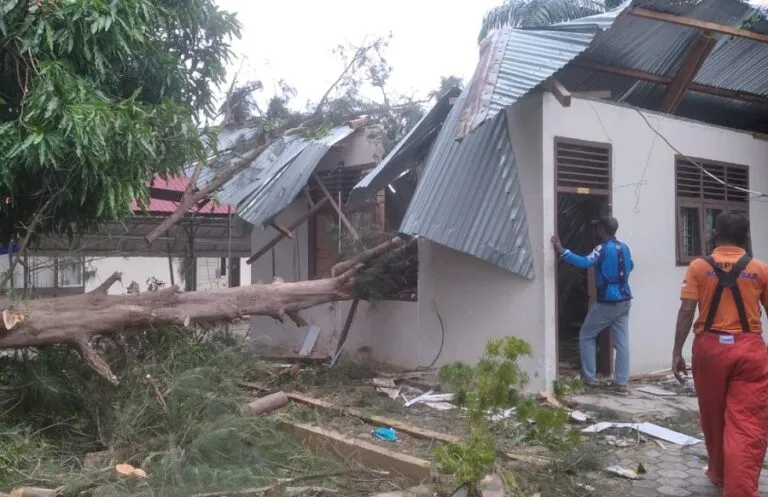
x=702 y=205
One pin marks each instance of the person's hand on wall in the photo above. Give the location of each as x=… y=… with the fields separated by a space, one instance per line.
x=558 y=244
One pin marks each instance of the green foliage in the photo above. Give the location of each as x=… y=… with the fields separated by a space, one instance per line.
x=545 y=426
x=467 y=461
x=96 y=97
x=489 y=387
x=533 y=13
x=191 y=442
x=494 y=383
x=563 y=388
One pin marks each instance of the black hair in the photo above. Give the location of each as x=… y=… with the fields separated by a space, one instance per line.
x=609 y=225
x=732 y=228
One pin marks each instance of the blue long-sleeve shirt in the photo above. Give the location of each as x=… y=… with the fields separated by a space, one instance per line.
x=611 y=277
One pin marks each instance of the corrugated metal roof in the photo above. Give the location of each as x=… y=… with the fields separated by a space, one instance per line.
x=400 y=159
x=515 y=61
x=176 y=184
x=274 y=178
x=469 y=196
x=659 y=48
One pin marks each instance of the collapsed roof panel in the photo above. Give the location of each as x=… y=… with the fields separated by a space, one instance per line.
x=469 y=197
x=401 y=158
x=274 y=179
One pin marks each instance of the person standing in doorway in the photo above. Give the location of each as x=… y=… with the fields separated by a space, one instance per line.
x=730 y=361
x=613 y=264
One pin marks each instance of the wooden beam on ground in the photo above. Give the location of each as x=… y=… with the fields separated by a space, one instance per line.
x=683 y=80
x=373 y=419
x=366 y=453
x=560 y=92
x=336 y=207
x=286 y=233
x=698 y=24
x=664 y=80
x=414 y=431
x=311 y=212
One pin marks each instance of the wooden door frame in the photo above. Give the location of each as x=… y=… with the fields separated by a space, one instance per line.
x=605 y=342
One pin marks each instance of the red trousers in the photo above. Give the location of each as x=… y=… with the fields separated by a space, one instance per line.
x=731 y=378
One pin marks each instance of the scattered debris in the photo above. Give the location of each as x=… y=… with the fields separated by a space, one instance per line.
x=549 y=399
x=505 y=414
x=623 y=472
x=128 y=470
x=650 y=429
x=34 y=492
x=579 y=416
x=430 y=397
x=386 y=434
x=492 y=486
x=265 y=404
x=368 y=454
x=588 y=488
x=387 y=386
x=656 y=391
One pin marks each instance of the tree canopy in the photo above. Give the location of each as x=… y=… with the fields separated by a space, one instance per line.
x=96 y=97
x=532 y=13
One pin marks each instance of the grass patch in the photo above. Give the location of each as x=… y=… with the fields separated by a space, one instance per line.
x=174 y=415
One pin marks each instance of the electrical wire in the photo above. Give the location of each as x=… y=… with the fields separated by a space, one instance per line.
x=442 y=338
x=754 y=193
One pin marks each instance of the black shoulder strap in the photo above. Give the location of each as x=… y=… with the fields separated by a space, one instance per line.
x=728 y=279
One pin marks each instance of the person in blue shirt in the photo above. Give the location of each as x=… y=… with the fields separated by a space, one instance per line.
x=613 y=263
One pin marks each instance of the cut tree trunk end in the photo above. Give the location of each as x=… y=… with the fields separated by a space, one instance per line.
x=74 y=320
x=264 y=405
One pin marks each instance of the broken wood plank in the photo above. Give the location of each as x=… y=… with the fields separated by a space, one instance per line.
x=286 y=233
x=366 y=453
x=698 y=24
x=375 y=419
x=665 y=80
x=310 y=341
x=311 y=212
x=681 y=83
x=336 y=207
x=290 y=359
x=560 y=92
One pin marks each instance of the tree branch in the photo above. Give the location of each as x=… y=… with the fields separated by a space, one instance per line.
x=27 y=237
x=107 y=284
x=94 y=360
x=189 y=198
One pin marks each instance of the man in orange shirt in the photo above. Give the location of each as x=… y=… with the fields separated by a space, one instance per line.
x=730 y=361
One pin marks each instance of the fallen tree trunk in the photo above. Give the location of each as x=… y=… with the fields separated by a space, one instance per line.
x=74 y=320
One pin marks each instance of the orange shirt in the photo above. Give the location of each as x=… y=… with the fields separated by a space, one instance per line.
x=700 y=284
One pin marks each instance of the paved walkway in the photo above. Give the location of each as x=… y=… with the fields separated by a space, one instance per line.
x=671 y=470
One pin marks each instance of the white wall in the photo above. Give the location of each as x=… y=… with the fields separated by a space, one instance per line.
x=476 y=300
x=644 y=203
x=140 y=269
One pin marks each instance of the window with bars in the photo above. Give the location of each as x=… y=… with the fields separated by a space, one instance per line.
x=582 y=167
x=702 y=194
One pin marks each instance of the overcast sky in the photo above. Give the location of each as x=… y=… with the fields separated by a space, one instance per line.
x=292 y=40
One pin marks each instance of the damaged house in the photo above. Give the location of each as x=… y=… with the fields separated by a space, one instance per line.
x=653 y=112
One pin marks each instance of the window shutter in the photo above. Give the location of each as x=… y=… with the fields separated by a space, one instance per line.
x=583 y=166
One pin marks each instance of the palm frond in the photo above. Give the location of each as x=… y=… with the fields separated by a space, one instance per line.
x=535 y=13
